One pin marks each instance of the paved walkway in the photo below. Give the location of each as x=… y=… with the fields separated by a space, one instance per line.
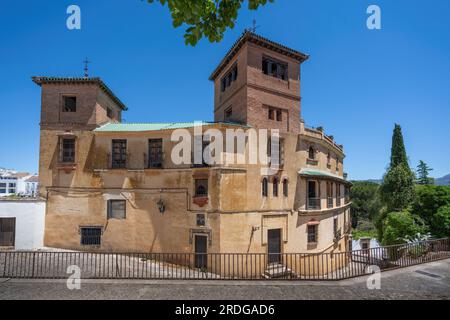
x=427 y=281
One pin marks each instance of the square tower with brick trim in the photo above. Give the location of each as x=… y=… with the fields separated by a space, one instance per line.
x=77 y=103
x=258 y=83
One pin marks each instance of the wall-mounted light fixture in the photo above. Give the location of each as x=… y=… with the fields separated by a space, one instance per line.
x=160 y=204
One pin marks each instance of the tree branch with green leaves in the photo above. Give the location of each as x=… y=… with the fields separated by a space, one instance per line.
x=206 y=18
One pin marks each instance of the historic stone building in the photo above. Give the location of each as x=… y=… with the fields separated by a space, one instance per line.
x=113 y=186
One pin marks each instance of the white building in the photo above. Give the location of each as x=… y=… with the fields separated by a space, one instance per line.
x=22 y=223
x=20 y=183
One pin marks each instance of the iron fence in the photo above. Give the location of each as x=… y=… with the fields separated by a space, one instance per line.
x=237 y=266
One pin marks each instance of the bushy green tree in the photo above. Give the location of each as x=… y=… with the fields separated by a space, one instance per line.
x=400 y=225
x=428 y=202
x=366 y=203
x=397 y=189
x=423 y=170
x=440 y=225
x=206 y=18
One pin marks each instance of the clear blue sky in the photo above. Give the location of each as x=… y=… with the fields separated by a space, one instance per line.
x=357 y=83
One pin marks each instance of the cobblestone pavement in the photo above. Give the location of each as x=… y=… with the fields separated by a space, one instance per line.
x=427 y=281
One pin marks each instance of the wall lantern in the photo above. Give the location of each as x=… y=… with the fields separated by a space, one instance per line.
x=161 y=206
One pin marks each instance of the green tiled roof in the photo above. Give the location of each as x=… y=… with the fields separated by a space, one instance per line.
x=136 y=127
x=320 y=173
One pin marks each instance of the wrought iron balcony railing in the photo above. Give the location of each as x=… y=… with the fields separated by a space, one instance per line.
x=313 y=204
x=330 y=202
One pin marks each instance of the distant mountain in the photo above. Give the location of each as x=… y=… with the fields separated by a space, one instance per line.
x=377 y=181
x=444 y=181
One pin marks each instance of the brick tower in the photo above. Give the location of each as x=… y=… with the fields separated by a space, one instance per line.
x=258 y=83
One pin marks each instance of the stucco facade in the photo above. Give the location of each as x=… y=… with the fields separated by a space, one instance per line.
x=163 y=208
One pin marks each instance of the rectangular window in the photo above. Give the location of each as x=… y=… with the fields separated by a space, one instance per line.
x=69 y=104
x=117 y=209
x=335 y=225
x=12 y=185
x=312 y=234
x=109 y=113
x=201 y=220
x=279 y=115
x=271 y=114
x=228 y=114
x=201 y=187
x=67 y=150
x=275 y=69
x=119 y=154
x=155 y=153
x=91 y=236
x=2 y=187
x=229 y=78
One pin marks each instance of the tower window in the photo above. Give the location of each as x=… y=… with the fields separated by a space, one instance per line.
x=229 y=78
x=274 y=68
x=311 y=153
x=109 y=113
x=228 y=114
x=279 y=115
x=69 y=104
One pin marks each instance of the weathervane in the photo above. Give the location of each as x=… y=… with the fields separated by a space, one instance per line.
x=254 y=27
x=86 y=68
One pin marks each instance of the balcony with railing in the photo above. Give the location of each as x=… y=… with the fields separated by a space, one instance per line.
x=313 y=204
x=329 y=202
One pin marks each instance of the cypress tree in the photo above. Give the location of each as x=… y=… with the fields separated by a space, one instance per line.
x=398 y=150
x=397 y=189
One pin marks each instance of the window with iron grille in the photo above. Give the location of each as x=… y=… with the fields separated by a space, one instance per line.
x=119 y=154
x=312 y=233
x=275 y=69
x=155 y=153
x=201 y=187
x=201 y=220
x=67 y=150
x=91 y=236
x=117 y=209
x=69 y=104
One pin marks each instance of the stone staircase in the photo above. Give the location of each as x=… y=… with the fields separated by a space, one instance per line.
x=278 y=271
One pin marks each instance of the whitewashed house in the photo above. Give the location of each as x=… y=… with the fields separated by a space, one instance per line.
x=22 y=223
x=20 y=183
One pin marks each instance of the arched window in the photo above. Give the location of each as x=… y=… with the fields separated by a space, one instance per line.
x=285 y=187
x=264 y=187
x=275 y=187
x=311 y=153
